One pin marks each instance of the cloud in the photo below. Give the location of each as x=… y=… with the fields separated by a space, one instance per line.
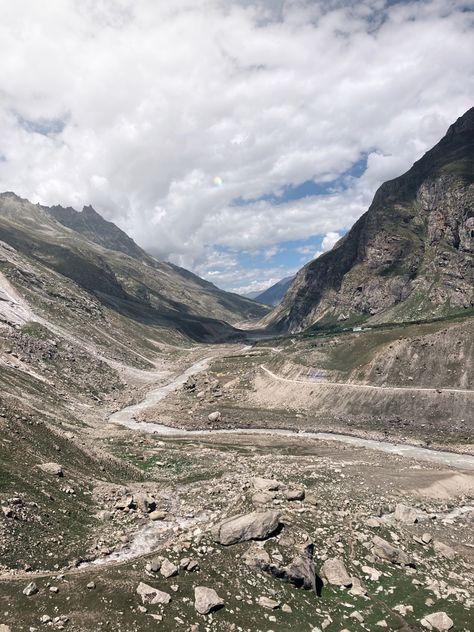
x=163 y=114
x=328 y=242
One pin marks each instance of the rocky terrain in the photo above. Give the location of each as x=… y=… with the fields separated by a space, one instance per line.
x=409 y=257
x=161 y=469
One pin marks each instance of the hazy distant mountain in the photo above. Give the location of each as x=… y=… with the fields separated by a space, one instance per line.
x=410 y=256
x=274 y=294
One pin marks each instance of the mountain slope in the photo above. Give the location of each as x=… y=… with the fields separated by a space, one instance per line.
x=410 y=256
x=101 y=260
x=275 y=293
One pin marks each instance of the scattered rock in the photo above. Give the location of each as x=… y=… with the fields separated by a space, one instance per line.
x=30 y=589
x=334 y=572
x=265 y=484
x=268 y=603
x=385 y=551
x=407 y=515
x=54 y=469
x=295 y=493
x=215 y=416
x=437 y=621
x=256 y=556
x=206 y=600
x=444 y=550
x=168 y=569
x=152 y=595
x=252 y=526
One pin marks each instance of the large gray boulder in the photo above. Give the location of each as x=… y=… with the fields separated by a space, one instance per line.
x=257 y=525
x=152 y=595
x=54 y=469
x=300 y=571
x=334 y=572
x=437 y=621
x=385 y=551
x=444 y=550
x=206 y=600
x=407 y=515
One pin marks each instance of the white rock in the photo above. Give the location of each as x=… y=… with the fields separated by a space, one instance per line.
x=437 y=621
x=206 y=600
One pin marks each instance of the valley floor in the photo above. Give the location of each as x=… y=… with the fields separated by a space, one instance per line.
x=159 y=470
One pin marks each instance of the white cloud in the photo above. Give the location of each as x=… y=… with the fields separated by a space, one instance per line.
x=159 y=98
x=328 y=242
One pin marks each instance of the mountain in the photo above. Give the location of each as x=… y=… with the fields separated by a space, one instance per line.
x=409 y=257
x=91 y=261
x=275 y=293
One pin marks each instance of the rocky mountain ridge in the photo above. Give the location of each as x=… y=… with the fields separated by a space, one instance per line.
x=410 y=256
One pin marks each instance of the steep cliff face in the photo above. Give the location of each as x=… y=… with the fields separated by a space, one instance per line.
x=410 y=256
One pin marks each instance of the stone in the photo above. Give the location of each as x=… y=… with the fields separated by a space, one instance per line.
x=206 y=600
x=437 y=621
x=357 y=615
x=5 y=628
x=256 y=556
x=295 y=493
x=54 y=469
x=285 y=608
x=373 y=523
x=157 y=515
x=357 y=589
x=215 y=416
x=263 y=498
x=265 y=484
x=152 y=595
x=334 y=572
x=168 y=569
x=144 y=502
x=91 y=585
x=268 y=603
x=407 y=515
x=426 y=538
x=252 y=526
x=385 y=551
x=30 y=589
x=300 y=571
x=444 y=550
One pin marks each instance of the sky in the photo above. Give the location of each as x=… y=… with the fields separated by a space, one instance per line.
x=237 y=138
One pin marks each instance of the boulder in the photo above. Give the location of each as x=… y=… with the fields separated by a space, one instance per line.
x=300 y=571
x=262 y=498
x=268 y=603
x=295 y=493
x=30 y=589
x=54 y=469
x=215 y=416
x=437 y=621
x=152 y=595
x=256 y=556
x=253 y=526
x=334 y=572
x=206 y=600
x=5 y=628
x=265 y=484
x=385 y=551
x=444 y=550
x=144 y=502
x=168 y=569
x=407 y=515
